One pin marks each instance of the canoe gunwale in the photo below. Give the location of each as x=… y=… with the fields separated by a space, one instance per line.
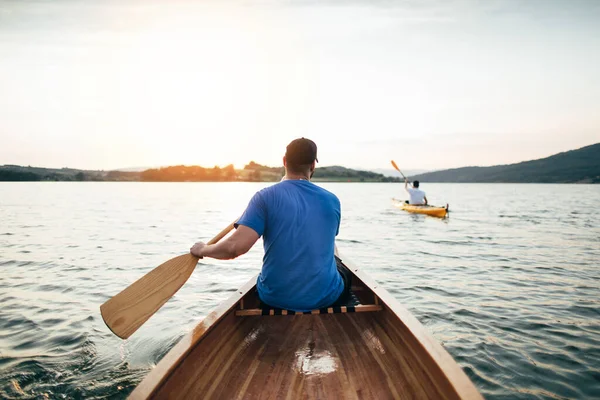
x=457 y=378
x=157 y=376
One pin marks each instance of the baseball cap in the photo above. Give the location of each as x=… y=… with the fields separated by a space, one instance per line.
x=301 y=151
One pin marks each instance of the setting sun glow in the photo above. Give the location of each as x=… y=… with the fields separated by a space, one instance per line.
x=124 y=84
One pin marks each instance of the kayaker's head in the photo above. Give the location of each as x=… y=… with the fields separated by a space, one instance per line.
x=300 y=158
x=416 y=184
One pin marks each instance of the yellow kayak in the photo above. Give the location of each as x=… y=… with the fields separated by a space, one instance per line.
x=433 y=211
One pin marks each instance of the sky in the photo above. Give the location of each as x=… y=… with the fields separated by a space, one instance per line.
x=431 y=84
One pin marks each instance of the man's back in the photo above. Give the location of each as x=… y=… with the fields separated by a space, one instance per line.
x=417 y=196
x=298 y=221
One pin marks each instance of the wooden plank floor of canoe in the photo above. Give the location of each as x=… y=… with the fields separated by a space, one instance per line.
x=356 y=356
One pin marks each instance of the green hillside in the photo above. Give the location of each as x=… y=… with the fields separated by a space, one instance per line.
x=252 y=172
x=20 y=173
x=575 y=166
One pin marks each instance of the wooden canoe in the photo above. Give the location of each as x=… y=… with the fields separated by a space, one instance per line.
x=432 y=211
x=382 y=352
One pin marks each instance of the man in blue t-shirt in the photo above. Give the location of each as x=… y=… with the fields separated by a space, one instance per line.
x=298 y=221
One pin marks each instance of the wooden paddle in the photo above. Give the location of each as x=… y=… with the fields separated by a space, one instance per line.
x=125 y=312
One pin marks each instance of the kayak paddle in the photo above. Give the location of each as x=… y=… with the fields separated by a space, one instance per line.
x=398 y=169
x=125 y=312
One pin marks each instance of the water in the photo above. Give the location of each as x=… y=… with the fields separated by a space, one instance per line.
x=509 y=284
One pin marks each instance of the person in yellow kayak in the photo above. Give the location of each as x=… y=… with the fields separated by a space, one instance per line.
x=298 y=221
x=417 y=196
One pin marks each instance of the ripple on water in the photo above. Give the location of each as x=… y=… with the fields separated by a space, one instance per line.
x=509 y=290
x=70 y=372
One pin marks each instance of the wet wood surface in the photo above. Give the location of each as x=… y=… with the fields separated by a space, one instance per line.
x=306 y=356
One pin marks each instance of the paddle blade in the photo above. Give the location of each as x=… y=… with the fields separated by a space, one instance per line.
x=128 y=310
x=398 y=169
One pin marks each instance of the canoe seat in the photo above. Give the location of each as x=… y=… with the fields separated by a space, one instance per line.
x=329 y=310
x=353 y=305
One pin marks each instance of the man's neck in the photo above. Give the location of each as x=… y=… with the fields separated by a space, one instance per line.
x=291 y=177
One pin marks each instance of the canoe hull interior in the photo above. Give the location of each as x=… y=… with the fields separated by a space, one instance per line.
x=367 y=355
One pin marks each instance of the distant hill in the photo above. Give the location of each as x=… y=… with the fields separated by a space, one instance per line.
x=252 y=172
x=322 y=174
x=393 y=173
x=20 y=173
x=342 y=174
x=575 y=166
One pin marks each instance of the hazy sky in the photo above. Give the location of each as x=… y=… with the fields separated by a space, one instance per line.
x=431 y=84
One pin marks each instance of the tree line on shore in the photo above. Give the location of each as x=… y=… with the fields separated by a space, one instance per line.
x=575 y=166
x=252 y=172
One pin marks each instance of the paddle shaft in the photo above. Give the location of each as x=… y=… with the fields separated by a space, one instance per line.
x=125 y=312
x=398 y=169
x=222 y=234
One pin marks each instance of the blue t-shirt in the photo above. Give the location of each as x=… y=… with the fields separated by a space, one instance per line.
x=299 y=222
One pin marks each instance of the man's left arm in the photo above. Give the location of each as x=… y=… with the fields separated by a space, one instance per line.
x=234 y=246
x=339 y=215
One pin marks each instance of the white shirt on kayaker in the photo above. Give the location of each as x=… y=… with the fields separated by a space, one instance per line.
x=417 y=196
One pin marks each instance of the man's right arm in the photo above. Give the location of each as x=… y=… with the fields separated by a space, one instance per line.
x=234 y=246
x=249 y=228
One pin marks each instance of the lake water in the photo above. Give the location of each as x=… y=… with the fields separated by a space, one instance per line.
x=509 y=283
